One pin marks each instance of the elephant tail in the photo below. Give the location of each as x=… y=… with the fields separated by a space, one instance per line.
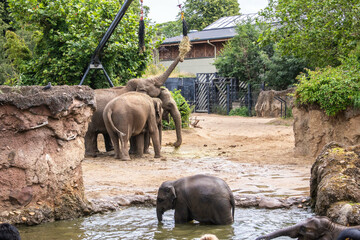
x=232 y=202
x=121 y=134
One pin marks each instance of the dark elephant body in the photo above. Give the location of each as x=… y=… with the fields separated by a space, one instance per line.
x=315 y=228
x=206 y=199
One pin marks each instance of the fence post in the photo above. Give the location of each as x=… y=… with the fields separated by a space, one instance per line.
x=228 y=98
x=249 y=99
x=208 y=96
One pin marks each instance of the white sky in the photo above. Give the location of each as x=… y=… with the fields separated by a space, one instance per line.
x=167 y=10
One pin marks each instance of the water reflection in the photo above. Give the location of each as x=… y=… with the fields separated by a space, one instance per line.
x=141 y=223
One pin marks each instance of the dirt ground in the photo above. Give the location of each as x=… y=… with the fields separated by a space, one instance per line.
x=253 y=155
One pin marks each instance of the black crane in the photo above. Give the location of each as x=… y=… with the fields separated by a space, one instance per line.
x=95 y=62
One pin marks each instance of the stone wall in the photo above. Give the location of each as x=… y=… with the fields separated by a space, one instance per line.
x=335 y=183
x=41 y=149
x=313 y=129
x=268 y=106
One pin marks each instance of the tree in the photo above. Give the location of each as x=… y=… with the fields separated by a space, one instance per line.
x=245 y=59
x=319 y=31
x=199 y=14
x=68 y=32
x=170 y=29
x=241 y=57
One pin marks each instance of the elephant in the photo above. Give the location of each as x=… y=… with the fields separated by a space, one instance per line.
x=349 y=234
x=314 y=228
x=207 y=199
x=131 y=114
x=169 y=106
x=150 y=86
x=8 y=231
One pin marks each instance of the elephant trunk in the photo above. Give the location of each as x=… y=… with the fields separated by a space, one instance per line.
x=291 y=231
x=175 y=114
x=161 y=79
x=159 y=214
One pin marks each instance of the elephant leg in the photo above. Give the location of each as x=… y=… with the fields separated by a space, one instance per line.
x=146 y=142
x=125 y=148
x=139 y=144
x=154 y=134
x=108 y=144
x=222 y=212
x=115 y=140
x=132 y=149
x=182 y=214
x=91 y=148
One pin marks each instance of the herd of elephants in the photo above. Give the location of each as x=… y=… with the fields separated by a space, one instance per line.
x=134 y=113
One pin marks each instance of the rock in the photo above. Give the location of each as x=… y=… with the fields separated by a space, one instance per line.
x=268 y=106
x=270 y=203
x=335 y=184
x=313 y=129
x=21 y=197
x=42 y=146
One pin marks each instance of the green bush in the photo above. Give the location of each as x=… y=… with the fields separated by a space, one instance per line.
x=184 y=108
x=67 y=33
x=242 y=111
x=332 y=88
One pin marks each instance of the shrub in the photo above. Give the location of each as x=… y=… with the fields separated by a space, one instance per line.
x=184 y=108
x=332 y=88
x=242 y=111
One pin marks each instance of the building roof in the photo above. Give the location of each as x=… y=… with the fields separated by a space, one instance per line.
x=223 y=28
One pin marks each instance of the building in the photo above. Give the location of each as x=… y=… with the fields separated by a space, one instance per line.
x=206 y=45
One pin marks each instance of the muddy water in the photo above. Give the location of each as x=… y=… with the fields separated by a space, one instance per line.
x=141 y=223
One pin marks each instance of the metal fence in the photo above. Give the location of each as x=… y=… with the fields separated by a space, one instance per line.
x=212 y=93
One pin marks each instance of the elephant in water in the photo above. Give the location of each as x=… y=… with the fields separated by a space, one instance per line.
x=132 y=114
x=206 y=199
x=315 y=228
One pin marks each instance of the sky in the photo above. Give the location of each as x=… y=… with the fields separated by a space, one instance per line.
x=167 y=10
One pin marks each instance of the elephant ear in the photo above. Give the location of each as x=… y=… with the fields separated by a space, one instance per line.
x=171 y=191
x=158 y=108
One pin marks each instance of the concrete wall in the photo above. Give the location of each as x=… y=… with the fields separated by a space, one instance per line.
x=198 y=65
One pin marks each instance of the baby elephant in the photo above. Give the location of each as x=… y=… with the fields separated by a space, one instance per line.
x=315 y=228
x=133 y=114
x=200 y=197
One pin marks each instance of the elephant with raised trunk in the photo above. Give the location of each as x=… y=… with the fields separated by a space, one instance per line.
x=206 y=199
x=150 y=86
x=315 y=228
x=133 y=114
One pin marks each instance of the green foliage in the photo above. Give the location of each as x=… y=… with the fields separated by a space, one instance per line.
x=318 y=31
x=241 y=56
x=68 y=31
x=184 y=108
x=245 y=59
x=281 y=71
x=242 y=111
x=199 y=14
x=170 y=29
x=332 y=88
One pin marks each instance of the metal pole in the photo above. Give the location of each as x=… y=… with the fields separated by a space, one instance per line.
x=249 y=99
x=95 y=60
x=228 y=98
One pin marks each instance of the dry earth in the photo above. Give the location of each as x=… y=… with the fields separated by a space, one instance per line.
x=253 y=155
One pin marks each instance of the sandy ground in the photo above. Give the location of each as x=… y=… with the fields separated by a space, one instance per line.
x=253 y=155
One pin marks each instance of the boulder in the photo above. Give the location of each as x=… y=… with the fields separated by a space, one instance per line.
x=313 y=129
x=41 y=149
x=268 y=106
x=335 y=183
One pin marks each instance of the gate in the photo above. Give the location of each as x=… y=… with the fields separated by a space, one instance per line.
x=203 y=85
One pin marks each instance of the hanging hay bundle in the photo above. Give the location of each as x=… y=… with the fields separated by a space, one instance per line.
x=184 y=47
